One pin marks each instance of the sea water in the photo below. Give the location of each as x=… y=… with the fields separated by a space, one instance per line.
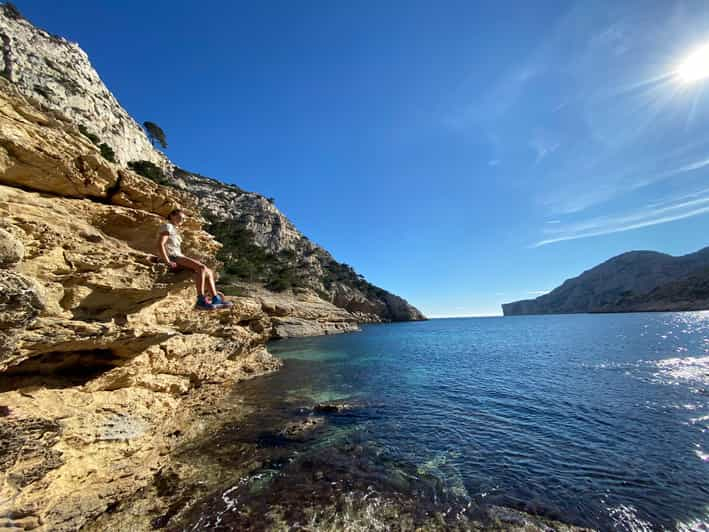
x=596 y=420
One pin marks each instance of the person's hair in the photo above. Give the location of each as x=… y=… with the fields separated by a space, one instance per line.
x=173 y=212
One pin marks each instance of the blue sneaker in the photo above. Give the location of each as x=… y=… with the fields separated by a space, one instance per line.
x=203 y=305
x=219 y=301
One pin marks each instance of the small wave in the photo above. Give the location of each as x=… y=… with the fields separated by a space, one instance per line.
x=355 y=515
x=230 y=503
x=683 y=370
x=617 y=365
x=625 y=517
x=695 y=525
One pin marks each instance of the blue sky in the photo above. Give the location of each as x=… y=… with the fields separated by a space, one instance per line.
x=460 y=154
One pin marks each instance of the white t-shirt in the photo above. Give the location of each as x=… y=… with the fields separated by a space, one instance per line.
x=174 y=240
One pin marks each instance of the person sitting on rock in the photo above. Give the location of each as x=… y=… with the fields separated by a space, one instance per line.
x=170 y=251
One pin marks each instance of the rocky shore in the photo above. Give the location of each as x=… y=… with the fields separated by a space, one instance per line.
x=102 y=356
x=105 y=368
x=113 y=390
x=280 y=461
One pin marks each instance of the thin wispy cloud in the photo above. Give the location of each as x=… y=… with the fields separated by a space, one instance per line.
x=679 y=197
x=636 y=220
x=494 y=103
x=593 y=121
x=579 y=196
x=543 y=145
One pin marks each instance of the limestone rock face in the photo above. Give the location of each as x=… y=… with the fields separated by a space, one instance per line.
x=271 y=229
x=101 y=352
x=59 y=75
x=20 y=301
x=304 y=313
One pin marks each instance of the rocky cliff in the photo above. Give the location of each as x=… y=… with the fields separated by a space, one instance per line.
x=105 y=368
x=103 y=362
x=58 y=76
x=101 y=355
x=632 y=282
x=289 y=259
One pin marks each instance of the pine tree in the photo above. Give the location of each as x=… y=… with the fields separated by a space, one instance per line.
x=155 y=132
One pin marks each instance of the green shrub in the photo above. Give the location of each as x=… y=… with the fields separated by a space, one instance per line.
x=107 y=152
x=231 y=290
x=85 y=132
x=245 y=260
x=279 y=284
x=149 y=170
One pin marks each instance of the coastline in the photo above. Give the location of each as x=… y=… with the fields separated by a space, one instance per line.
x=106 y=365
x=273 y=461
x=122 y=408
x=647 y=311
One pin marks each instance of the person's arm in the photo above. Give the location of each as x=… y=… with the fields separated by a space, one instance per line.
x=161 y=250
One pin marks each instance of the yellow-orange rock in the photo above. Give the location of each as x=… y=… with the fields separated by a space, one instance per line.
x=101 y=350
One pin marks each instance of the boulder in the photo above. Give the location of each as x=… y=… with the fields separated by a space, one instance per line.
x=20 y=300
x=11 y=250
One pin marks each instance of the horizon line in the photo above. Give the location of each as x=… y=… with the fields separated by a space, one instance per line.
x=443 y=317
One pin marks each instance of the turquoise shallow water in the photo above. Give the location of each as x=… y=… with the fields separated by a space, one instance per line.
x=598 y=420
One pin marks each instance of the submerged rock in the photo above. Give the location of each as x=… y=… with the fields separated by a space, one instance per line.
x=345 y=484
x=332 y=408
x=302 y=428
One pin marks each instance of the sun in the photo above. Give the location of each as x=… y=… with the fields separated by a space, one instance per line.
x=696 y=66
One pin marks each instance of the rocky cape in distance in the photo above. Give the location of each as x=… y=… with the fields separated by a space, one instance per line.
x=637 y=281
x=105 y=369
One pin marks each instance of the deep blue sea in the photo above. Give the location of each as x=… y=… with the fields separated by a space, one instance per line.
x=598 y=420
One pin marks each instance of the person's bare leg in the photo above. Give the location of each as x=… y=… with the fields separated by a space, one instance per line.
x=198 y=268
x=210 y=281
x=199 y=282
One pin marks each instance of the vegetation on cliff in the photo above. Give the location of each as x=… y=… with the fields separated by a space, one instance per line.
x=245 y=261
x=688 y=293
x=155 y=134
x=106 y=151
x=298 y=267
x=149 y=170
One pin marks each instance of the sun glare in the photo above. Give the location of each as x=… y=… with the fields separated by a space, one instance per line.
x=695 y=66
